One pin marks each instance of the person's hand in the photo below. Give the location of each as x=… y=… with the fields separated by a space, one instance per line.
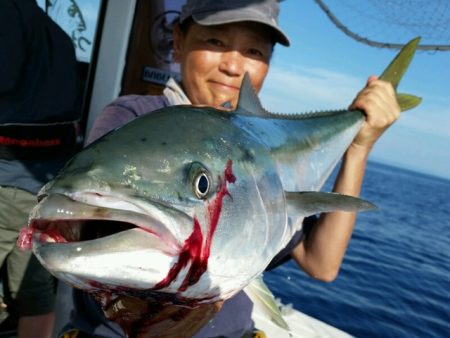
x=379 y=103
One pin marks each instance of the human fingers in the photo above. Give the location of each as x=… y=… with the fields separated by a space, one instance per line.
x=378 y=102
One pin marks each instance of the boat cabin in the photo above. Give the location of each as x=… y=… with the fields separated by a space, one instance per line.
x=122 y=47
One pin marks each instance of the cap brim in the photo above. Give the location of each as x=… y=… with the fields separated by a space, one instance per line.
x=239 y=15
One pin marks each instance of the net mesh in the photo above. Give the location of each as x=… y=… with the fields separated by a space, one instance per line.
x=391 y=23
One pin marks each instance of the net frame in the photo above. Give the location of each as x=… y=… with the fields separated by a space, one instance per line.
x=374 y=43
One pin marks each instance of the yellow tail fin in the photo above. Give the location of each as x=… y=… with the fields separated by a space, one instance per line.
x=394 y=73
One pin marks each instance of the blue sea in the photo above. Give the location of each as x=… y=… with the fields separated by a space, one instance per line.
x=395 y=278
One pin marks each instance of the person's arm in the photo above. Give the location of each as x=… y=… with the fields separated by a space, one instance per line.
x=112 y=117
x=321 y=253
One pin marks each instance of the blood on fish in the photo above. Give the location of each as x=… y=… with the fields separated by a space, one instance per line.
x=25 y=241
x=195 y=249
x=215 y=208
x=191 y=251
x=229 y=176
x=54 y=234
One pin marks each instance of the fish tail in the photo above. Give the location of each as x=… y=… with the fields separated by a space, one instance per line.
x=397 y=68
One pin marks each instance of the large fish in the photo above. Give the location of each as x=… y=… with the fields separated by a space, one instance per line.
x=188 y=204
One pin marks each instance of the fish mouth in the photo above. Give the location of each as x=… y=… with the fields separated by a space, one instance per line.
x=99 y=242
x=68 y=231
x=59 y=218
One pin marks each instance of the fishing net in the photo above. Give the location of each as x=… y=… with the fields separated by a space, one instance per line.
x=391 y=23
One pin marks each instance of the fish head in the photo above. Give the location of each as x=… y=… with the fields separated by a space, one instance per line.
x=180 y=202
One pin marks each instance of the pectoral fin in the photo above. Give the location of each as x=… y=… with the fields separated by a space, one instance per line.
x=303 y=204
x=263 y=298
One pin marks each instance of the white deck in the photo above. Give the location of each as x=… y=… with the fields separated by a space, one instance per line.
x=301 y=325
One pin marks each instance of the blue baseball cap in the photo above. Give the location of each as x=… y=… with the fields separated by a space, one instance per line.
x=218 y=12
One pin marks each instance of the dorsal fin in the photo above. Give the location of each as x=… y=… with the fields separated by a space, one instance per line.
x=248 y=102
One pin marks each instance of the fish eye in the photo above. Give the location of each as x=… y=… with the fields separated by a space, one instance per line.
x=201 y=185
x=200 y=180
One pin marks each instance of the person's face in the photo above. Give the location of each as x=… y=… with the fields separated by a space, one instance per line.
x=214 y=60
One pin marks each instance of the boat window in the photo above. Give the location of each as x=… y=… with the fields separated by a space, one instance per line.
x=78 y=18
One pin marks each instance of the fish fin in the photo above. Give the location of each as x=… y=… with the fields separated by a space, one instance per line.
x=397 y=68
x=263 y=298
x=303 y=204
x=408 y=101
x=248 y=102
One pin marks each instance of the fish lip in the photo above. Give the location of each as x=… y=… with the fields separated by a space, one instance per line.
x=62 y=225
x=70 y=261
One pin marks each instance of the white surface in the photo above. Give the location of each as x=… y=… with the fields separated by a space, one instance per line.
x=112 y=54
x=301 y=325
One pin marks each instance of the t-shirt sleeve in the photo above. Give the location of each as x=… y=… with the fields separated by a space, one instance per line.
x=112 y=117
x=121 y=111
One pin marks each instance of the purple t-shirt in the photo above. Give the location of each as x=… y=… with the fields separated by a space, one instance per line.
x=123 y=110
x=234 y=318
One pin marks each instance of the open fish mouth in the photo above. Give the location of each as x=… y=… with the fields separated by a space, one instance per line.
x=92 y=246
x=62 y=219
x=67 y=231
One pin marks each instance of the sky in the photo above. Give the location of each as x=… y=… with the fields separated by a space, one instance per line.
x=324 y=69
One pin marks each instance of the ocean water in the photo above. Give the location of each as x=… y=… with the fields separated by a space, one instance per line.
x=395 y=278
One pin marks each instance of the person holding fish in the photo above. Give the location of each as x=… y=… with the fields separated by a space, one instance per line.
x=216 y=43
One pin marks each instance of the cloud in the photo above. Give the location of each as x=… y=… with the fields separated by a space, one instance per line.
x=297 y=89
x=431 y=118
x=300 y=89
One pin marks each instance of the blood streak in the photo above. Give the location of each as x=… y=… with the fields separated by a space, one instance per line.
x=215 y=208
x=196 y=248
x=191 y=251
